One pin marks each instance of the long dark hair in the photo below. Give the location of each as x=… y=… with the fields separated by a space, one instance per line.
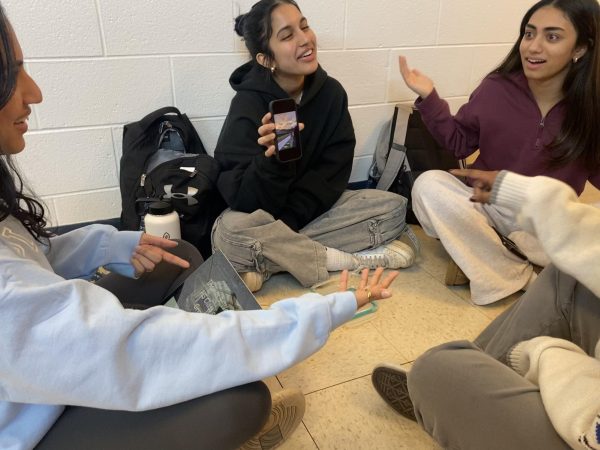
x=13 y=201
x=255 y=27
x=578 y=139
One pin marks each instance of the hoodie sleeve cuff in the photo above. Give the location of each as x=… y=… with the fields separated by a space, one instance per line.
x=510 y=190
x=122 y=244
x=343 y=308
x=430 y=105
x=518 y=358
x=524 y=357
x=120 y=251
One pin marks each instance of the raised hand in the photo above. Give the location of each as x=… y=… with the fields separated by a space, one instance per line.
x=151 y=251
x=418 y=82
x=481 y=180
x=369 y=289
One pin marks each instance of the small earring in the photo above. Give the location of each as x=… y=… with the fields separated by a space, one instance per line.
x=272 y=70
x=575 y=59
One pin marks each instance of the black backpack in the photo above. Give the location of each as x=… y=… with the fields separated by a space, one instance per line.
x=164 y=159
x=404 y=151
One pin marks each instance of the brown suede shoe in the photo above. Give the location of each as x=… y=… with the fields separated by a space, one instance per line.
x=287 y=410
x=455 y=276
x=252 y=280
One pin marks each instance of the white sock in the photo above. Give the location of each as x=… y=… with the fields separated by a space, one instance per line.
x=339 y=260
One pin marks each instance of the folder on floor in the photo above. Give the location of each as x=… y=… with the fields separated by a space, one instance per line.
x=214 y=287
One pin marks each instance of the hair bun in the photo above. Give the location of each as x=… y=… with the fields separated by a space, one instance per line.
x=239 y=24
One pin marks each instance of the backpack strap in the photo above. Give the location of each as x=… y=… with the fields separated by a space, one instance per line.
x=397 y=151
x=400 y=125
x=394 y=162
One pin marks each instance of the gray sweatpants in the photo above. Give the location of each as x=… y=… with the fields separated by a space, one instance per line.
x=359 y=220
x=465 y=396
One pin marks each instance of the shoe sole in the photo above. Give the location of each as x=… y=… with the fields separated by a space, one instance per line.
x=286 y=414
x=392 y=385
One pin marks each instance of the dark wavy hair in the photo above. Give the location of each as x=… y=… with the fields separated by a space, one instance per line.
x=255 y=26
x=13 y=201
x=578 y=139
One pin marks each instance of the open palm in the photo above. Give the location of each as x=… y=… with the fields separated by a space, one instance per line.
x=419 y=83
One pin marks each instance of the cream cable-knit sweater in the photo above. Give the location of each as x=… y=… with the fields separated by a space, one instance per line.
x=568 y=378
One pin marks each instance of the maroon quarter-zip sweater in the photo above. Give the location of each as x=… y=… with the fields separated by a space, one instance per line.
x=503 y=121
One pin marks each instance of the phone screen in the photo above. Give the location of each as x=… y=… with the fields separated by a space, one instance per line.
x=287 y=132
x=285 y=127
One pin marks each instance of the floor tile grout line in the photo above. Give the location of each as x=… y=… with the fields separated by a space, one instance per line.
x=337 y=384
x=311 y=436
x=391 y=344
x=306 y=427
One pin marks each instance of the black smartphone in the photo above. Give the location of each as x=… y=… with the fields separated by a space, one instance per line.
x=287 y=131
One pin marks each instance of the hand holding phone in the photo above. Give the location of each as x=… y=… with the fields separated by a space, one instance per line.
x=287 y=130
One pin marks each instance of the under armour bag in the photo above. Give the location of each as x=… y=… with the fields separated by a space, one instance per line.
x=404 y=151
x=164 y=159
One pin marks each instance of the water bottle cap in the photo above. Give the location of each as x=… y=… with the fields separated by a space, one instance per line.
x=160 y=208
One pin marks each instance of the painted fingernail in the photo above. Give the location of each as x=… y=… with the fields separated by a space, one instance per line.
x=385 y=294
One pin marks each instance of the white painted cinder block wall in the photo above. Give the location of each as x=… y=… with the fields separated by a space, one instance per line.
x=103 y=63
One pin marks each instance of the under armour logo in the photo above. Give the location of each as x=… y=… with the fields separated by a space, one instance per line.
x=181 y=196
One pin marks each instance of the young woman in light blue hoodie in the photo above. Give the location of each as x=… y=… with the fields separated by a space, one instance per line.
x=135 y=378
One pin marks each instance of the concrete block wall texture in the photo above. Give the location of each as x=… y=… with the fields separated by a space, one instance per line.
x=103 y=63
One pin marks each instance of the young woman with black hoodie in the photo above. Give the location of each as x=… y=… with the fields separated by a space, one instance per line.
x=296 y=216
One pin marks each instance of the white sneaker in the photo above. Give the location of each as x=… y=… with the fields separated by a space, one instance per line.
x=394 y=255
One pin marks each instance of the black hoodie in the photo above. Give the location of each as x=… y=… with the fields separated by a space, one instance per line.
x=295 y=192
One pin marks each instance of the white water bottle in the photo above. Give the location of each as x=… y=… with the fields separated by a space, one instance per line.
x=162 y=221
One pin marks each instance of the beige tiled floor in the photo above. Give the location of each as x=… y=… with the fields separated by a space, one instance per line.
x=342 y=409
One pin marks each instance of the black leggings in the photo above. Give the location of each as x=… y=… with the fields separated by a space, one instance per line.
x=223 y=420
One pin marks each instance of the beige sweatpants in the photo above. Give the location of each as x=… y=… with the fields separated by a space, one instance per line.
x=441 y=203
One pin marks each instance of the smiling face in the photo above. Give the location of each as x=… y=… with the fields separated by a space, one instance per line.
x=549 y=46
x=293 y=43
x=15 y=113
